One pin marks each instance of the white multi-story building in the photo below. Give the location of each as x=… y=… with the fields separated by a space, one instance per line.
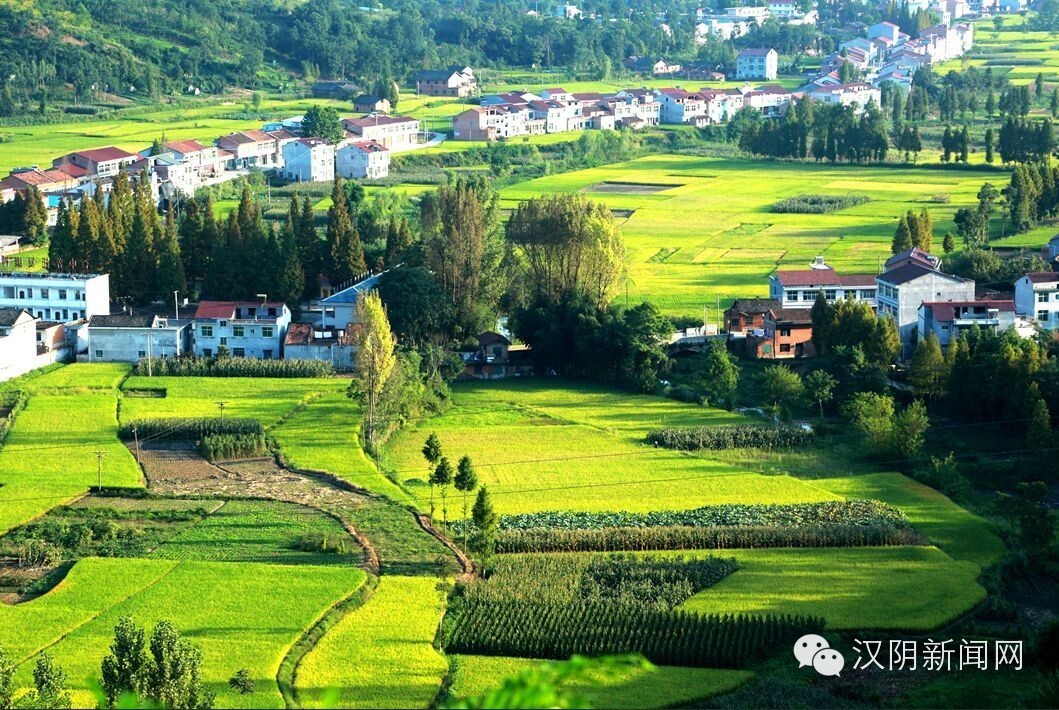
x=857 y=94
x=947 y=319
x=395 y=132
x=757 y=63
x=18 y=342
x=799 y=288
x=679 y=106
x=242 y=328
x=902 y=289
x=363 y=159
x=99 y=162
x=308 y=160
x=1037 y=297
x=56 y=297
x=130 y=338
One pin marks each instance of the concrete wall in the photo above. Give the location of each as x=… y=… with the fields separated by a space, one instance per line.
x=130 y=344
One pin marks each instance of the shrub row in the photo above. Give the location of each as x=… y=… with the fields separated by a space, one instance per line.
x=736 y=436
x=818 y=204
x=653 y=582
x=591 y=628
x=232 y=367
x=685 y=537
x=11 y=403
x=222 y=447
x=190 y=428
x=835 y=512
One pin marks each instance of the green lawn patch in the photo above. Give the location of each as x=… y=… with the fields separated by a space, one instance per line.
x=380 y=655
x=660 y=687
x=886 y=588
x=263 y=531
x=963 y=535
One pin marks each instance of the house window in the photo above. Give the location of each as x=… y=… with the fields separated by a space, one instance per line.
x=207 y=352
x=141 y=354
x=785 y=332
x=1042 y=316
x=44 y=293
x=785 y=348
x=238 y=331
x=99 y=354
x=224 y=324
x=268 y=354
x=830 y=294
x=267 y=332
x=792 y=295
x=1042 y=298
x=239 y=352
x=224 y=341
x=206 y=331
x=62 y=294
x=747 y=320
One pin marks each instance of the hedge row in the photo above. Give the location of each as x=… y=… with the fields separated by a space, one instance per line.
x=13 y=403
x=736 y=436
x=818 y=204
x=702 y=538
x=232 y=367
x=836 y=512
x=594 y=628
x=189 y=429
x=224 y=447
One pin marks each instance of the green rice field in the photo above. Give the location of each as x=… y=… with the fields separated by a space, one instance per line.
x=700 y=232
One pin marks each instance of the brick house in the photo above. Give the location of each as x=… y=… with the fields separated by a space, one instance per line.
x=748 y=314
x=788 y=333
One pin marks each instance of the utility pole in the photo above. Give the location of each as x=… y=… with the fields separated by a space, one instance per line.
x=99 y=469
x=176 y=306
x=136 y=438
x=221 y=405
x=149 y=372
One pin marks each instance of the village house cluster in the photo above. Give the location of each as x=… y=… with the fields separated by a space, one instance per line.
x=912 y=288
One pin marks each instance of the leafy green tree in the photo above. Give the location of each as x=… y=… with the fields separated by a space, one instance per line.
x=928 y=372
x=720 y=374
x=1039 y=429
x=375 y=362
x=486 y=523
x=910 y=426
x=948 y=244
x=35 y=217
x=124 y=669
x=782 y=389
x=871 y=416
x=346 y=250
x=466 y=480
x=988 y=140
x=49 y=682
x=820 y=386
x=823 y=318
x=1036 y=525
x=398 y=241
x=323 y=122
x=242 y=682
x=419 y=310
x=442 y=477
x=883 y=344
x=173 y=678
x=432 y=453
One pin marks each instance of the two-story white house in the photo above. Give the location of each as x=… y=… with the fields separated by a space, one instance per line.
x=126 y=337
x=99 y=162
x=241 y=328
x=56 y=297
x=679 y=106
x=1037 y=297
x=363 y=159
x=799 y=288
x=18 y=342
x=308 y=160
x=395 y=132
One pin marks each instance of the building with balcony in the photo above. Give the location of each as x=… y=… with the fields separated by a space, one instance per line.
x=56 y=297
x=240 y=328
x=947 y=319
x=798 y=288
x=1037 y=297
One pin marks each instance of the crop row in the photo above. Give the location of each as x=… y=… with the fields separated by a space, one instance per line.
x=686 y=537
x=224 y=447
x=11 y=403
x=232 y=367
x=743 y=436
x=818 y=204
x=834 y=512
x=592 y=628
x=189 y=428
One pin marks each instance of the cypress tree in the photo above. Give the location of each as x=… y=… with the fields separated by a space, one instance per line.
x=192 y=248
x=988 y=145
x=89 y=233
x=345 y=250
x=965 y=139
x=61 y=248
x=309 y=245
x=924 y=231
x=291 y=275
x=35 y=217
x=171 y=276
x=903 y=236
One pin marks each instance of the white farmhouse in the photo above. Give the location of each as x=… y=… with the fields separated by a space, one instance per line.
x=1037 y=296
x=363 y=159
x=56 y=297
x=125 y=337
x=18 y=342
x=242 y=328
x=340 y=308
x=757 y=63
x=308 y=160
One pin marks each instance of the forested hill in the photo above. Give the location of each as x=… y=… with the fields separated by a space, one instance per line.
x=81 y=49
